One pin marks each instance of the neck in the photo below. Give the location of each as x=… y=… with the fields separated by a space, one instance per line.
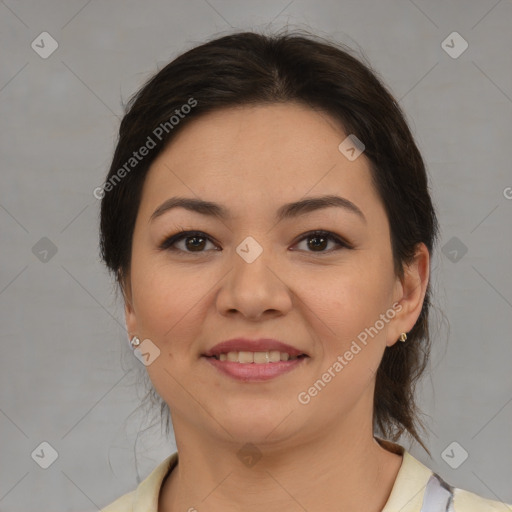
x=342 y=469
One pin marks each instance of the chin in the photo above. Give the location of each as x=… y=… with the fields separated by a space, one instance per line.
x=258 y=427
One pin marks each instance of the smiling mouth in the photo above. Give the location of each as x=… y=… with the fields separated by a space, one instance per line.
x=248 y=367
x=246 y=357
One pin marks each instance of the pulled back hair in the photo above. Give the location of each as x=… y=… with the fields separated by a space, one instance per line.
x=247 y=68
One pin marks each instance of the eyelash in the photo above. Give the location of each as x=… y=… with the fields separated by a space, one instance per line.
x=168 y=243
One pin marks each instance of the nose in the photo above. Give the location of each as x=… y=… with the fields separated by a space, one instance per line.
x=254 y=289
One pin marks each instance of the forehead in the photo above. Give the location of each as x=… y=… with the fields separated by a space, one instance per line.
x=264 y=155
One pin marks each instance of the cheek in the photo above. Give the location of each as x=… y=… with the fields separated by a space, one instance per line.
x=346 y=304
x=348 y=298
x=343 y=312
x=166 y=299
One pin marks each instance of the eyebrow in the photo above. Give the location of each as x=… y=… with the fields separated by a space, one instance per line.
x=287 y=211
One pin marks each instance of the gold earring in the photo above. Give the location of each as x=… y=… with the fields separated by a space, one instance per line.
x=403 y=337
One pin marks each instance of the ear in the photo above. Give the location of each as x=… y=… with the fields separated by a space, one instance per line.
x=129 y=312
x=409 y=294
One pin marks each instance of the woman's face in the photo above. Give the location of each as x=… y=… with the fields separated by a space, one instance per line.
x=255 y=275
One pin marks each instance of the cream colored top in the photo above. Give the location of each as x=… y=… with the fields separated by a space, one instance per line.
x=416 y=489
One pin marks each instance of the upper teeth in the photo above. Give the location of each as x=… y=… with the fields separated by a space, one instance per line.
x=272 y=356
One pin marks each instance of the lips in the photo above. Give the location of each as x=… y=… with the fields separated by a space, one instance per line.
x=259 y=345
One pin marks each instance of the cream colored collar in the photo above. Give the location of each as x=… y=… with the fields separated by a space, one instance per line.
x=406 y=496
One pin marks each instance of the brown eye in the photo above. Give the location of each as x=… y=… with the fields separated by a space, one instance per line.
x=193 y=241
x=317 y=241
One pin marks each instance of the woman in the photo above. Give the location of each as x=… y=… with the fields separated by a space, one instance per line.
x=268 y=219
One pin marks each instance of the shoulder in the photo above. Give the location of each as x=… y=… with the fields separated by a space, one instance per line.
x=453 y=499
x=418 y=489
x=145 y=497
x=440 y=495
x=122 y=504
x=466 y=501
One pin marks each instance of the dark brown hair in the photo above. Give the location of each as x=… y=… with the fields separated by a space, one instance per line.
x=252 y=68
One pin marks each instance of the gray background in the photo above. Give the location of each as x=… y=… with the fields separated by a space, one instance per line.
x=66 y=374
